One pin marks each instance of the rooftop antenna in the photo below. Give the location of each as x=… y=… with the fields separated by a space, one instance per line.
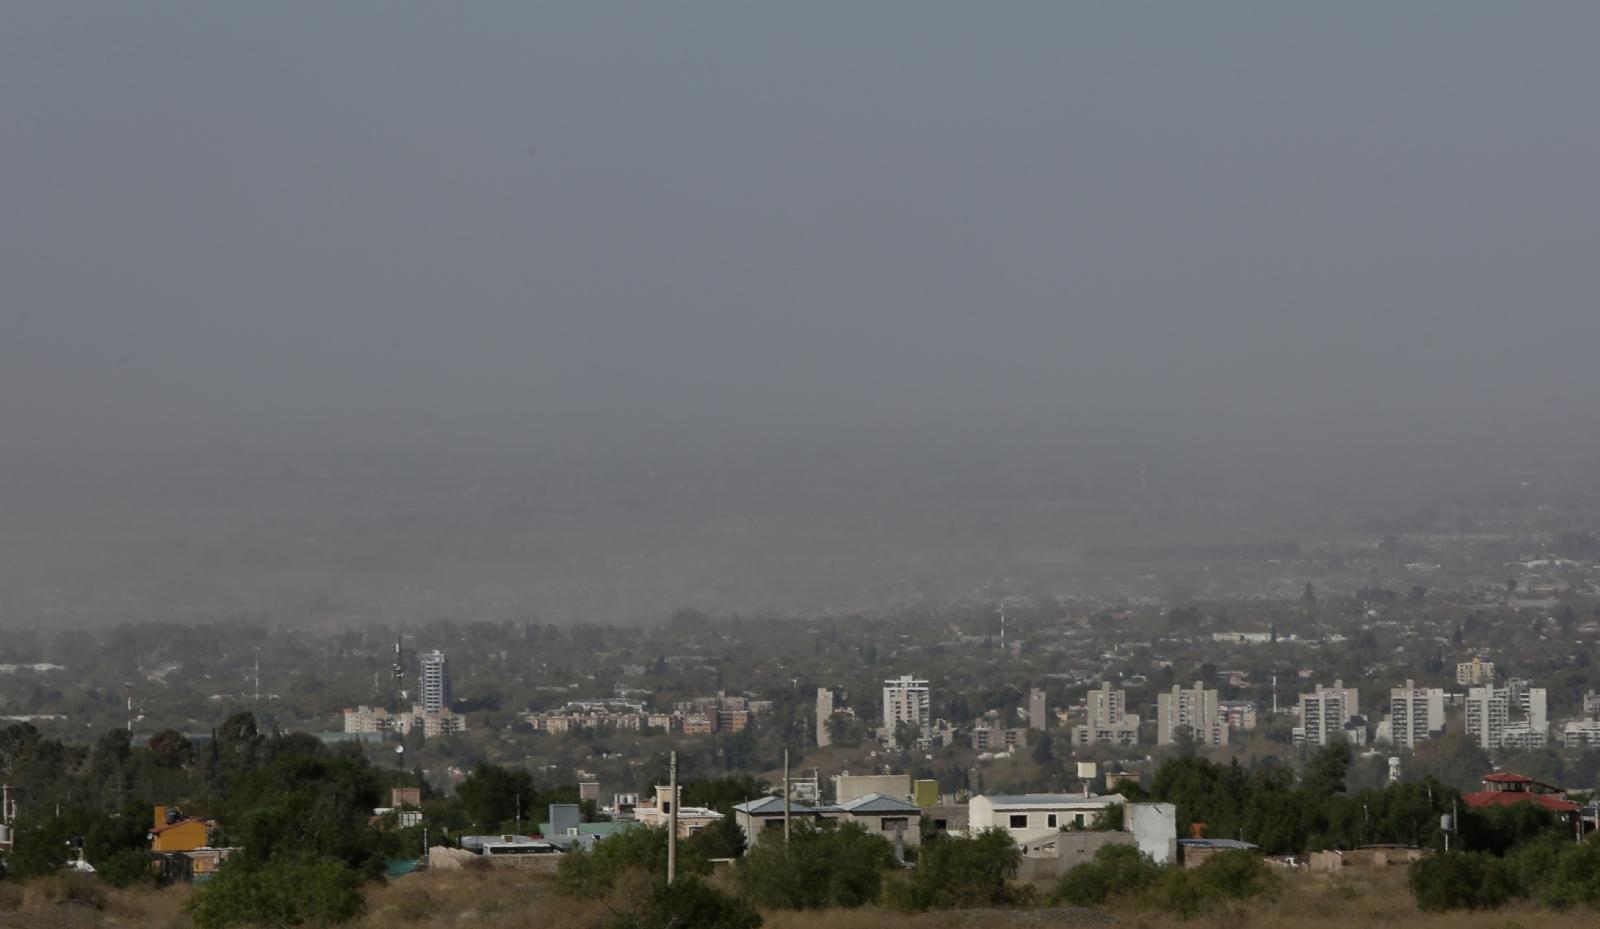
x=399 y=669
x=128 y=689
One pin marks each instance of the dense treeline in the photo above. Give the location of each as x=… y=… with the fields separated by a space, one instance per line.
x=301 y=814
x=1286 y=815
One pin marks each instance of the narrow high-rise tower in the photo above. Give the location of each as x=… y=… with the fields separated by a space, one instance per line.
x=435 y=691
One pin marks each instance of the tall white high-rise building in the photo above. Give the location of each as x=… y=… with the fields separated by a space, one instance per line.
x=1415 y=714
x=1513 y=716
x=434 y=694
x=1108 y=719
x=1488 y=711
x=824 y=713
x=1196 y=709
x=1107 y=707
x=1324 y=713
x=1037 y=710
x=906 y=700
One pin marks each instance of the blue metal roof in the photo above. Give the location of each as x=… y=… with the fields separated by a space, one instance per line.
x=1218 y=843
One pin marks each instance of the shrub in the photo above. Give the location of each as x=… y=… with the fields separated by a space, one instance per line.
x=1461 y=881
x=956 y=873
x=284 y=892
x=1572 y=879
x=585 y=875
x=721 y=839
x=1115 y=870
x=1220 y=879
x=687 y=902
x=819 y=867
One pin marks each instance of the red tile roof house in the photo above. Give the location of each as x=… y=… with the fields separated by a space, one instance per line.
x=1503 y=788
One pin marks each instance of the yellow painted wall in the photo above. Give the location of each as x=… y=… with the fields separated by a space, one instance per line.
x=182 y=837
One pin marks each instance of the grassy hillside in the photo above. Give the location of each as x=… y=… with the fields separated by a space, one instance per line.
x=514 y=900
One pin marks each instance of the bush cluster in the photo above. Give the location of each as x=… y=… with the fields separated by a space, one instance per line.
x=1559 y=876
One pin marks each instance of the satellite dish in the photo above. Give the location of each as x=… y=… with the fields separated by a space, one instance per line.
x=399 y=749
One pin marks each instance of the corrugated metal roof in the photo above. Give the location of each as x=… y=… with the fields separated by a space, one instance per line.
x=1216 y=845
x=767 y=806
x=878 y=803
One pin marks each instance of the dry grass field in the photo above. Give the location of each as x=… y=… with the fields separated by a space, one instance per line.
x=513 y=900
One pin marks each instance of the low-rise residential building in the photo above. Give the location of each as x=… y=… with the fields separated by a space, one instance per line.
x=1580 y=733
x=993 y=738
x=1026 y=815
x=657 y=812
x=1504 y=788
x=891 y=817
x=431 y=723
x=1240 y=715
x=174 y=832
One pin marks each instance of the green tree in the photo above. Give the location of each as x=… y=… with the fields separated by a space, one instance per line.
x=721 y=839
x=906 y=735
x=291 y=891
x=491 y=796
x=960 y=873
x=1043 y=748
x=1115 y=870
x=1221 y=878
x=1460 y=881
x=586 y=875
x=305 y=800
x=170 y=749
x=818 y=867
x=1324 y=774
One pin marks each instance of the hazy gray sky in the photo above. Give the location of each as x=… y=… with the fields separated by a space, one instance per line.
x=343 y=224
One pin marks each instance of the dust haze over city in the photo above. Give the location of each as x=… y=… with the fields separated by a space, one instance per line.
x=623 y=465
x=330 y=314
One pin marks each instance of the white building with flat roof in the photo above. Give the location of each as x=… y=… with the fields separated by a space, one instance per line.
x=1476 y=671
x=1028 y=816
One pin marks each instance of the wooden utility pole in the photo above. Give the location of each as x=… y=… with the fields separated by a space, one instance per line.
x=672 y=818
x=786 y=796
